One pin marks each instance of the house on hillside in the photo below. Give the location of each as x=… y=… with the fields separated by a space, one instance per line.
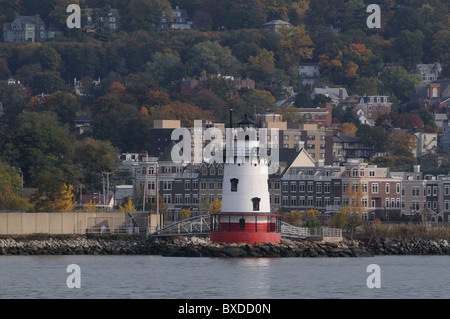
x=309 y=73
x=337 y=95
x=98 y=19
x=429 y=72
x=29 y=29
x=180 y=20
x=274 y=25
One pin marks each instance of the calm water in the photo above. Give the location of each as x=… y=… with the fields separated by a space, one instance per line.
x=158 y=277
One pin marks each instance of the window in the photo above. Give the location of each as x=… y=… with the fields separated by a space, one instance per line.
x=301 y=201
x=310 y=201
x=167 y=185
x=310 y=187
x=187 y=199
x=187 y=185
x=276 y=199
x=219 y=185
x=167 y=198
x=372 y=173
x=293 y=201
x=277 y=185
x=234 y=184
x=387 y=188
x=203 y=185
x=284 y=201
x=211 y=185
x=195 y=185
x=151 y=185
x=415 y=191
x=301 y=187
x=318 y=187
x=397 y=188
x=178 y=199
x=447 y=189
x=326 y=188
x=375 y=188
x=256 y=201
x=293 y=187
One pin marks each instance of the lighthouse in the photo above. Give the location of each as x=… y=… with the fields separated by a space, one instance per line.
x=245 y=216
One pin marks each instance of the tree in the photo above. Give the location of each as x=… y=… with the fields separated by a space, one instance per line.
x=354 y=210
x=185 y=214
x=215 y=207
x=374 y=137
x=402 y=143
x=64 y=104
x=10 y=189
x=146 y=14
x=295 y=45
x=128 y=207
x=212 y=58
x=64 y=202
x=165 y=67
x=42 y=143
x=348 y=129
x=293 y=218
x=94 y=157
x=409 y=46
x=396 y=81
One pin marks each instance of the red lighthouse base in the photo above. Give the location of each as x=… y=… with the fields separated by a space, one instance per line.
x=246 y=228
x=245 y=237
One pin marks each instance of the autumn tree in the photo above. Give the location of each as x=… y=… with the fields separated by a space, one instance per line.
x=402 y=143
x=128 y=206
x=348 y=129
x=185 y=214
x=295 y=45
x=354 y=210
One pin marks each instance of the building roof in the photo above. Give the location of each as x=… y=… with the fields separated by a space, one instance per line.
x=333 y=93
x=276 y=23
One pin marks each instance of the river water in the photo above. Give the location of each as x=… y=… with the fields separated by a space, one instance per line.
x=156 y=277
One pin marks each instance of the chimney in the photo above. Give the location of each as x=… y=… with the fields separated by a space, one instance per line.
x=341 y=94
x=416 y=168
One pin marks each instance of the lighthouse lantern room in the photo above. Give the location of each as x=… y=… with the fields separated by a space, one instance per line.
x=245 y=216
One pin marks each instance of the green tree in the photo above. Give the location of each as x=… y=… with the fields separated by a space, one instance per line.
x=409 y=46
x=42 y=143
x=146 y=14
x=396 y=81
x=10 y=189
x=212 y=58
x=94 y=157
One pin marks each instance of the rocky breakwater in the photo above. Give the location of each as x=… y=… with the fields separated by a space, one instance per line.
x=69 y=246
x=203 y=247
x=409 y=246
x=197 y=247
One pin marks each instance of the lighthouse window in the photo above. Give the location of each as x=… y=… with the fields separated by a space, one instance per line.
x=234 y=183
x=256 y=201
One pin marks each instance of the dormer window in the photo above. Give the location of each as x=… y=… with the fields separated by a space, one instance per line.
x=234 y=184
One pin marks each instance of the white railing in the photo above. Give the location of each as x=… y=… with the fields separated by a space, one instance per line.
x=288 y=230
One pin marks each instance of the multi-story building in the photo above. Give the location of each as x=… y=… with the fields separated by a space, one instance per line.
x=29 y=29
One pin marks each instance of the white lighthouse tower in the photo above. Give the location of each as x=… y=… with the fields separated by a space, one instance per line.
x=245 y=216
